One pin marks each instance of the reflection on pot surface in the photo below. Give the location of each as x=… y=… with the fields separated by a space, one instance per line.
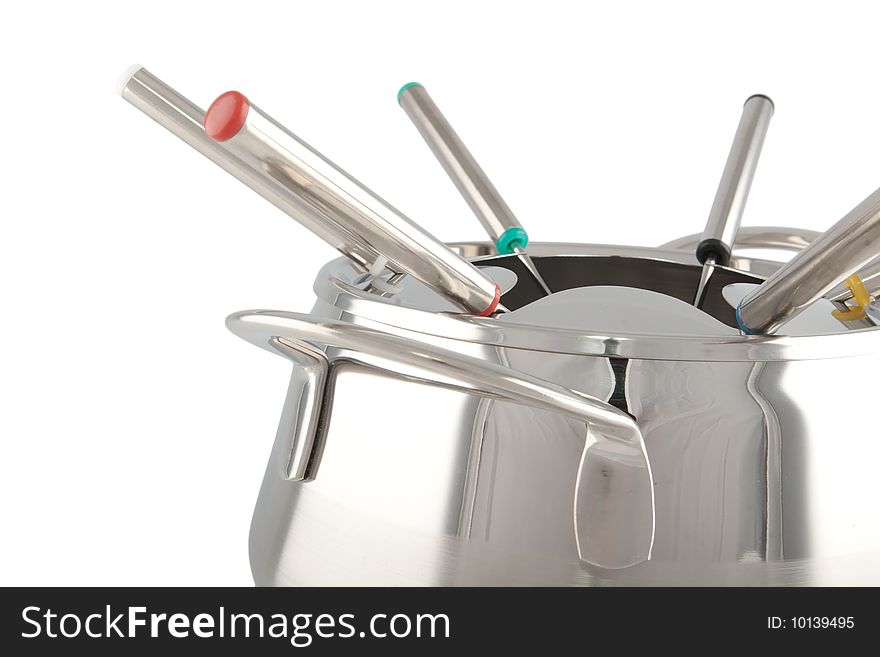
x=681 y=454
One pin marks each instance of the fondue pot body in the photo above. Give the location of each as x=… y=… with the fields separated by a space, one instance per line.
x=762 y=460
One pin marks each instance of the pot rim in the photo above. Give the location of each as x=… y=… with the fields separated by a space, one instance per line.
x=332 y=286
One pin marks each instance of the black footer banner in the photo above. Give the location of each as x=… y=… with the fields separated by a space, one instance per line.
x=336 y=621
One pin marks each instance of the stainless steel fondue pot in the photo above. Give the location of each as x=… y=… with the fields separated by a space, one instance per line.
x=621 y=415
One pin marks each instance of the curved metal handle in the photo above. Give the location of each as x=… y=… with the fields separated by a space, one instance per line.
x=275 y=330
x=614 y=443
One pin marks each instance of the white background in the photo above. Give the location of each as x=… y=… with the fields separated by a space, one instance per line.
x=134 y=429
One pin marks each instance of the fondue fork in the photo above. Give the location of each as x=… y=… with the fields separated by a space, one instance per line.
x=470 y=179
x=719 y=235
x=835 y=255
x=298 y=180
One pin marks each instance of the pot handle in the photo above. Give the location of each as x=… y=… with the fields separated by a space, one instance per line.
x=614 y=442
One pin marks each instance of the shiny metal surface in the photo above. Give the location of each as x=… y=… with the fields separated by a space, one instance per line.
x=605 y=534
x=719 y=235
x=836 y=254
x=185 y=120
x=469 y=178
x=785 y=239
x=303 y=184
x=720 y=232
x=705 y=274
x=608 y=434
x=495 y=508
x=755 y=237
x=330 y=196
x=754 y=482
x=418 y=313
x=281 y=331
x=299 y=430
x=533 y=270
x=479 y=250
